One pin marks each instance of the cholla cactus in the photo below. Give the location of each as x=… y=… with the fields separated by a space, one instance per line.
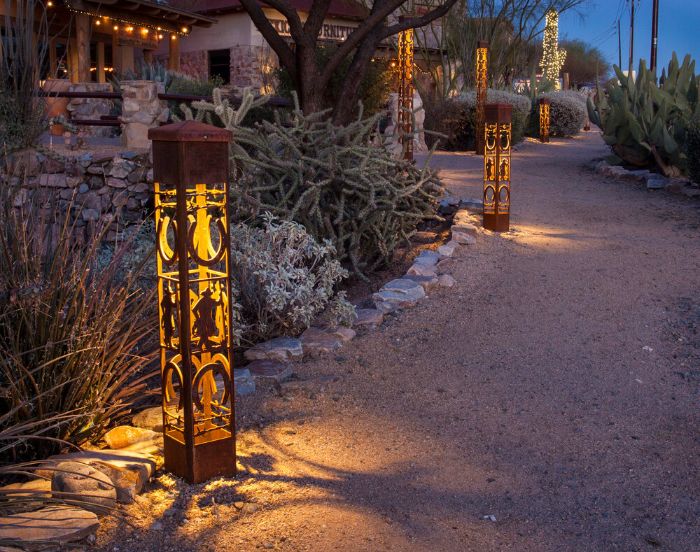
x=285 y=279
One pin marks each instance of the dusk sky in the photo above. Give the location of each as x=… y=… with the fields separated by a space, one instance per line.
x=679 y=29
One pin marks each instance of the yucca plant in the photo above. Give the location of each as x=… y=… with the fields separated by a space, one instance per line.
x=76 y=338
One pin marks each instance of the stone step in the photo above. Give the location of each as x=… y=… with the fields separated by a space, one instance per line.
x=53 y=525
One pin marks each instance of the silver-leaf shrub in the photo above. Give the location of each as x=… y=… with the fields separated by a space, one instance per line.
x=284 y=280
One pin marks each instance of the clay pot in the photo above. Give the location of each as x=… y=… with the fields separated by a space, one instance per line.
x=56 y=107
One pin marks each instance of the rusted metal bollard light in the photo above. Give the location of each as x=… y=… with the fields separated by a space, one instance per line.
x=497 y=137
x=405 y=101
x=482 y=69
x=190 y=171
x=544 y=119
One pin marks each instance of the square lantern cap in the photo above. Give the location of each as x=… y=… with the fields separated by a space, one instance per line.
x=189 y=152
x=482 y=44
x=501 y=113
x=189 y=131
x=545 y=101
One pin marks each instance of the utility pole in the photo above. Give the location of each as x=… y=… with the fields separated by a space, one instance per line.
x=619 y=45
x=654 y=36
x=631 y=67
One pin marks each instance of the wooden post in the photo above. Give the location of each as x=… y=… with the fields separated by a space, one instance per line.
x=82 y=37
x=101 y=62
x=126 y=59
x=73 y=61
x=174 y=53
x=116 y=54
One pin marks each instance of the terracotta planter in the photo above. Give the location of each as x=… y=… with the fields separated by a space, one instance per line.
x=56 y=107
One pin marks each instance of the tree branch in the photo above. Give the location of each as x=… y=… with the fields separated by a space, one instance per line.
x=413 y=22
x=271 y=36
x=317 y=14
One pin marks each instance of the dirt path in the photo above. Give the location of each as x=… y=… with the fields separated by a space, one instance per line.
x=555 y=388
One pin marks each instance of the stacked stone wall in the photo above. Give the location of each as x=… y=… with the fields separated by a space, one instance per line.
x=112 y=189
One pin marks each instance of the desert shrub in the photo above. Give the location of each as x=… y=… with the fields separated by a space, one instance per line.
x=22 y=113
x=283 y=280
x=74 y=338
x=692 y=146
x=339 y=182
x=456 y=118
x=567 y=112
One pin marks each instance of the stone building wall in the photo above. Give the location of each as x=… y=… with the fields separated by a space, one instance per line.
x=110 y=188
x=253 y=66
x=195 y=64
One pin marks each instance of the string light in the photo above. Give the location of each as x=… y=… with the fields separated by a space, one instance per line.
x=127 y=23
x=552 y=57
x=49 y=4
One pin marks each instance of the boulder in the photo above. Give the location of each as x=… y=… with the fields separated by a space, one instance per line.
x=448 y=249
x=55 y=525
x=270 y=370
x=282 y=349
x=151 y=418
x=427 y=257
x=369 y=318
x=419 y=269
x=463 y=238
x=398 y=294
x=445 y=280
x=124 y=436
x=78 y=481
x=243 y=381
x=428 y=282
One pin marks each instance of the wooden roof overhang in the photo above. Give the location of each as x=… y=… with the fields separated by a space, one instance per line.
x=143 y=13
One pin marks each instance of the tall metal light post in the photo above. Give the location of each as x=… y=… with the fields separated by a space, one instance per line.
x=654 y=35
x=405 y=107
x=482 y=73
x=190 y=173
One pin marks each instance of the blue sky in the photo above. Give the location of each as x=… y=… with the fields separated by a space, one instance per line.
x=596 y=24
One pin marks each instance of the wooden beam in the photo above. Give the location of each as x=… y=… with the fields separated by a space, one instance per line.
x=101 y=62
x=82 y=37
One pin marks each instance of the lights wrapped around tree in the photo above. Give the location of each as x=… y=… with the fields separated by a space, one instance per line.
x=497 y=142
x=190 y=171
x=482 y=68
x=405 y=103
x=552 y=57
x=545 y=109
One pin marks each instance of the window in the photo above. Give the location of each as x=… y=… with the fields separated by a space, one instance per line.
x=220 y=65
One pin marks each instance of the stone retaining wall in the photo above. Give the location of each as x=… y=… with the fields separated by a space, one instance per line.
x=108 y=188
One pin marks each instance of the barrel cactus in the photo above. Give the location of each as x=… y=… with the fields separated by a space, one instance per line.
x=645 y=123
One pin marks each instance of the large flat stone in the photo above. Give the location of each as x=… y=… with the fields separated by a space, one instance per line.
x=427 y=257
x=25 y=493
x=368 y=318
x=398 y=294
x=463 y=238
x=419 y=269
x=319 y=340
x=282 y=349
x=428 y=282
x=79 y=481
x=270 y=370
x=52 y=525
x=448 y=249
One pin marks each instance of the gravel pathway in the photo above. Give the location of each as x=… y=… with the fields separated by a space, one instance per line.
x=547 y=402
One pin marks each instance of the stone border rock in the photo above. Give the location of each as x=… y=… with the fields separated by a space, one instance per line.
x=652 y=181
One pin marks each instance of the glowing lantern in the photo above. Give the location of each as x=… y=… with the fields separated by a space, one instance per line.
x=482 y=69
x=190 y=171
x=544 y=119
x=405 y=114
x=497 y=137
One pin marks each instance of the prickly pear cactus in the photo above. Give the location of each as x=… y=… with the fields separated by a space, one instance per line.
x=645 y=123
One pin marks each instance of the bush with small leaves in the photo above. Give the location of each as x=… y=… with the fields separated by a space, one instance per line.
x=284 y=279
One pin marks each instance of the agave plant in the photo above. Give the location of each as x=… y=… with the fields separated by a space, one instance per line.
x=645 y=123
x=75 y=344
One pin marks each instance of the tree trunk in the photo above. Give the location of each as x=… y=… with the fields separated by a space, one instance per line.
x=307 y=80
